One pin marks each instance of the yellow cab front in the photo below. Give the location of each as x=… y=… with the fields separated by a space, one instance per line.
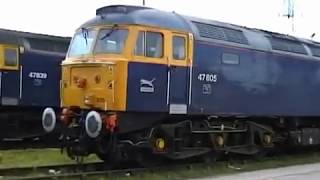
x=94 y=74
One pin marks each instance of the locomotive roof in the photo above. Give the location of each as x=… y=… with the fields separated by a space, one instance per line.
x=121 y=14
x=205 y=30
x=33 y=41
x=17 y=37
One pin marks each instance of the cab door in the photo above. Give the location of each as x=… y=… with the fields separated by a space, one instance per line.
x=10 y=75
x=178 y=73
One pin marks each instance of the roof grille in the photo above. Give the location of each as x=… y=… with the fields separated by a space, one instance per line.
x=315 y=50
x=287 y=45
x=221 y=33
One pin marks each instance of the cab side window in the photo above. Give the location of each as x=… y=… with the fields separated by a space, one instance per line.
x=149 y=44
x=179 y=48
x=10 y=57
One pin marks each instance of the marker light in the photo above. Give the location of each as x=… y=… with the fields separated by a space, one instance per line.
x=81 y=83
x=111 y=122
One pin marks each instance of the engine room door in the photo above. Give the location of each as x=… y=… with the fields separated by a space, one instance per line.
x=178 y=76
x=10 y=75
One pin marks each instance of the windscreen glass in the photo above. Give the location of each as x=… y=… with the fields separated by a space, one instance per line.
x=82 y=43
x=111 y=41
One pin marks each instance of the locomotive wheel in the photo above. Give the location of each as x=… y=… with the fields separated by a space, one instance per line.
x=103 y=156
x=147 y=159
x=211 y=157
x=107 y=151
x=109 y=162
x=111 y=159
x=263 y=152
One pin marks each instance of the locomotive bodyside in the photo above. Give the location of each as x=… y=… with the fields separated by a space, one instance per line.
x=247 y=82
x=29 y=66
x=40 y=79
x=138 y=82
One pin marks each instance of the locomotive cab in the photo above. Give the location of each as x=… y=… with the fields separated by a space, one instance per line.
x=95 y=62
x=9 y=56
x=95 y=74
x=110 y=68
x=10 y=75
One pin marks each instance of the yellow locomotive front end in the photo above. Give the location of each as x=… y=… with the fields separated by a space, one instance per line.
x=94 y=78
x=95 y=71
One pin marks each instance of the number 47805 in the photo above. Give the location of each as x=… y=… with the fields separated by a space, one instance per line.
x=207 y=77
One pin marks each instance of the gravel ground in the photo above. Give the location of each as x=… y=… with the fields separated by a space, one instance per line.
x=299 y=172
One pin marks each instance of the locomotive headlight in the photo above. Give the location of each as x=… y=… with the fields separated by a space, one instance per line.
x=93 y=124
x=49 y=120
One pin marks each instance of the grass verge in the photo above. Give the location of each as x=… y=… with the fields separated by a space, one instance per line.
x=35 y=157
x=224 y=168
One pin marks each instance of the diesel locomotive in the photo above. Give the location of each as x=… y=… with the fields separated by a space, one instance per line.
x=138 y=83
x=29 y=81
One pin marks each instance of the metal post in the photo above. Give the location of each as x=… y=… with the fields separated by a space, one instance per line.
x=289 y=12
x=144 y=2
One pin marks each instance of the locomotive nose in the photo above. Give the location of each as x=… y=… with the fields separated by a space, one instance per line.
x=49 y=120
x=93 y=124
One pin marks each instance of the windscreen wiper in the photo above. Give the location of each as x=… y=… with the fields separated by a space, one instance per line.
x=114 y=27
x=85 y=33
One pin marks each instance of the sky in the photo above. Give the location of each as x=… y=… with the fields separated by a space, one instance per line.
x=62 y=17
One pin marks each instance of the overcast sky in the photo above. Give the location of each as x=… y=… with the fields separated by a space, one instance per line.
x=62 y=17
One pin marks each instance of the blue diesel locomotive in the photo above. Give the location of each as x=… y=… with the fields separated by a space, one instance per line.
x=29 y=81
x=139 y=82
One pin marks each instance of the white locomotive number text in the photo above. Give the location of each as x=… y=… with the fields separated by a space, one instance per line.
x=208 y=77
x=38 y=75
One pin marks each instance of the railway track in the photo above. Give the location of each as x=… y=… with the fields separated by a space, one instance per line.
x=49 y=168
x=14 y=144
x=85 y=170
x=78 y=174
x=38 y=141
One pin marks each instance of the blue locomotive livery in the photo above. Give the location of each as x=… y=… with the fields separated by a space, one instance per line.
x=29 y=81
x=139 y=82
